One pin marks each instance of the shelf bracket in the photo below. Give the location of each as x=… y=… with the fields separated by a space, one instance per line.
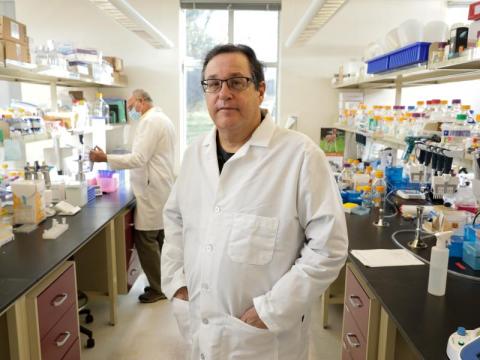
x=53 y=96
x=398 y=90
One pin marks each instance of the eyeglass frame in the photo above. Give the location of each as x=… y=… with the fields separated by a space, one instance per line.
x=204 y=84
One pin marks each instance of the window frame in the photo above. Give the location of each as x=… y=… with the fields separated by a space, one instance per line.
x=192 y=64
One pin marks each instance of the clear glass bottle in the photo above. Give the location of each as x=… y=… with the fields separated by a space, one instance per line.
x=456 y=109
x=459 y=132
x=346 y=177
x=379 y=188
x=100 y=109
x=367 y=196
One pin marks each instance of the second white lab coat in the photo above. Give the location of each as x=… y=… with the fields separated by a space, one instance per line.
x=151 y=162
x=269 y=231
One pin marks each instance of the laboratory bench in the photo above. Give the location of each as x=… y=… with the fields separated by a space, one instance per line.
x=388 y=313
x=39 y=278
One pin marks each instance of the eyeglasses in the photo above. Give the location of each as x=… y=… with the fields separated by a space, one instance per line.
x=238 y=83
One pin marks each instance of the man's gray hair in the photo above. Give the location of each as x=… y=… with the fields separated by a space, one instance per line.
x=141 y=94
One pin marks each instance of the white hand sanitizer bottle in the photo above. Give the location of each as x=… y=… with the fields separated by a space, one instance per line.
x=437 y=277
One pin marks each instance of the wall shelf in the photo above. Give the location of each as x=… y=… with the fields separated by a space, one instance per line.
x=18 y=72
x=464 y=68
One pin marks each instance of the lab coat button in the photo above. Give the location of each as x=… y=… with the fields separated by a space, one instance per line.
x=205 y=321
x=209 y=247
x=217 y=210
x=202 y=356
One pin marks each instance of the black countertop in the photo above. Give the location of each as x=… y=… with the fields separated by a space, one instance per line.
x=28 y=258
x=424 y=320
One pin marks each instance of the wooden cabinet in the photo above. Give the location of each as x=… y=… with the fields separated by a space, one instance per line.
x=360 y=319
x=52 y=311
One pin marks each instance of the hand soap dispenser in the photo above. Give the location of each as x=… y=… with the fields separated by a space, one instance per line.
x=437 y=277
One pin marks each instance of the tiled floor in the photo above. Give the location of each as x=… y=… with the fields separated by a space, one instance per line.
x=149 y=331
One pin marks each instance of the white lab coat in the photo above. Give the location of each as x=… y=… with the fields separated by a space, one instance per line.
x=269 y=231
x=151 y=163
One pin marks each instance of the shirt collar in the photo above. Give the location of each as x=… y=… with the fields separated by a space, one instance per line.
x=260 y=137
x=152 y=109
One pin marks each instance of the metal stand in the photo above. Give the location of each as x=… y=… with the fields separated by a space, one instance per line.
x=380 y=222
x=418 y=243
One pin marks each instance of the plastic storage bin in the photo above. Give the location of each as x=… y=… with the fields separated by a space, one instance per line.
x=469 y=232
x=456 y=247
x=378 y=64
x=415 y=53
x=107 y=180
x=471 y=254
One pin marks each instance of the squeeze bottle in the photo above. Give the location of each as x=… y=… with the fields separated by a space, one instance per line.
x=437 y=277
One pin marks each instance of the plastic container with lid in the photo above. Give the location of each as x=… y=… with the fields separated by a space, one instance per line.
x=420 y=107
x=455 y=135
x=471 y=254
x=475 y=133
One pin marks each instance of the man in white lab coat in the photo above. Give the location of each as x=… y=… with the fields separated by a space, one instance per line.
x=254 y=226
x=151 y=163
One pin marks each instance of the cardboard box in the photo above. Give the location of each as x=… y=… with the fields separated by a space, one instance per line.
x=13 y=30
x=119 y=78
x=28 y=201
x=14 y=51
x=116 y=63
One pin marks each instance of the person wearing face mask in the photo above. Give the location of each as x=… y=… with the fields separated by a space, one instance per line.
x=254 y=226
x=151 y=171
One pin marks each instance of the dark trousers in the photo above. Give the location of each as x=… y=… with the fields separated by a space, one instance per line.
x=149 y=246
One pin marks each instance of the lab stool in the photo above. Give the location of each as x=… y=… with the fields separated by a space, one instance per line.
x=82 y=310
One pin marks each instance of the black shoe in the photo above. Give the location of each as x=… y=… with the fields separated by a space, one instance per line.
x=147 y=289
x=151 y=296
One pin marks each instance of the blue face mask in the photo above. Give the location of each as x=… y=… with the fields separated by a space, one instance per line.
x=134 y=115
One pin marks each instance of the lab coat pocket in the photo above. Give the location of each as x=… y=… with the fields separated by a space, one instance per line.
x=181 y=312
x=252 y=239
x=139 y=178
x=243 y=341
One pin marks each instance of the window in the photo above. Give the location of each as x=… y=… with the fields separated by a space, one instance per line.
x=207 y=25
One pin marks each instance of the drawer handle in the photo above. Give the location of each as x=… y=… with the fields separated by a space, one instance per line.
x=59 y=299
x=131 y=224
x=352 y=340
x=66 y=335
x=355 y=301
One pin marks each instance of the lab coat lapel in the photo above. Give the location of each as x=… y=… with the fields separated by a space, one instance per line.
x=211 y=161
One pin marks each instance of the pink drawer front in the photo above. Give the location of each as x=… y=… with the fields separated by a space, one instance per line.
x=74 y=352
x=61 y=337
x=54 y=301
x=357 y=301
x=353 y=343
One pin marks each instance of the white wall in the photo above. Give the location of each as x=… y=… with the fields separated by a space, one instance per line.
x=304 y=71
x=301 y=91
x=157 y=71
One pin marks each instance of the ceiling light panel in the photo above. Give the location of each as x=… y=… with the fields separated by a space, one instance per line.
x=127 y=16
x=317 y=15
